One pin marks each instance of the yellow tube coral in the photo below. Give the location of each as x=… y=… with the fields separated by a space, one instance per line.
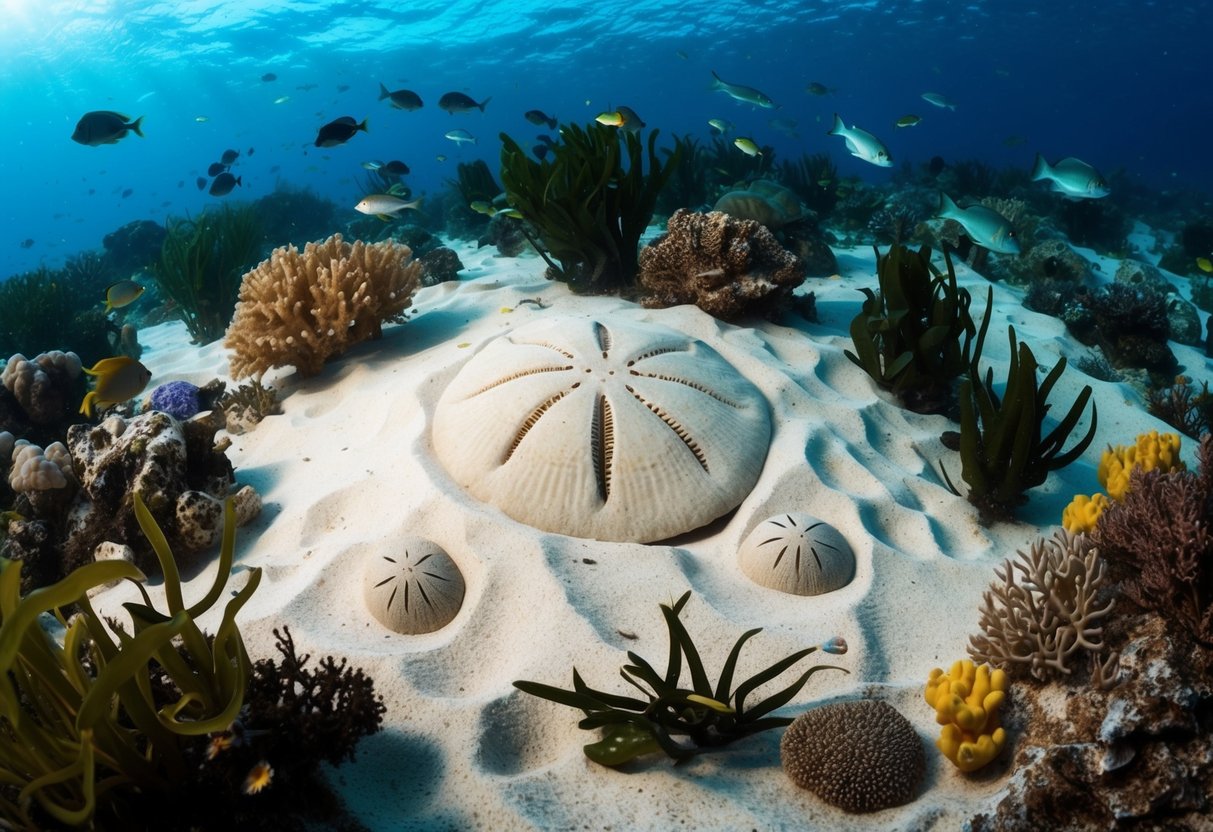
x=1081 y=515
x=966 y=700
x=1151 y=451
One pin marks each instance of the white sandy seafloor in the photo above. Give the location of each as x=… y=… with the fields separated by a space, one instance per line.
x=348 y=469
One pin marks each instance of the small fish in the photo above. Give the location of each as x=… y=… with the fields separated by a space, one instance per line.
x=202 y=119
x=1014 y=141
x=985 y=226
x=28 y=242
x=105 y=127
x=229 y=156
x=747 y=146
x=127 y=192
x=259 y=777
x=787 y=126
x=118 y=379
x=1202 y=263
x=1072 y=178
x=460 y=136
x=400 y=99
x=120 y=294
x=306 y=87
x=385 y=205
x=938 y=100
x=269 y=76
x=223 y=184
x=440 y=158
x=457 y=102
x=682 y=55
x=908 y=120
x=216 y=168
x=624 y=118
x=373 y=164
x=200 y=182
x=282 y=99
x=817 y=88
x=481 y=206
x=862 y=144
x=540 y=151
x=611 y=118
x=339 y=131
x=720 y=126
x=538 y=117
x=251 y=150
x=741 y=92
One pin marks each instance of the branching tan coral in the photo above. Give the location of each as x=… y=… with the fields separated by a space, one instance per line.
x=301 y=308
x=725 y=266
x=1044 y=608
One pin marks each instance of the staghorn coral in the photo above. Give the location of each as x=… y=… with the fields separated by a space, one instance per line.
x=301 y=308
x=1043 y=608
x=966 y=700
x=725 y=266
x=1157 y=541
x=861 y=756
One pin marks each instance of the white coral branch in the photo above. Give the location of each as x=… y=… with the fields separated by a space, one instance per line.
x=1043 y=608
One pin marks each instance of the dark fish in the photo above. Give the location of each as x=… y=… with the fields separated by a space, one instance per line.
x=27 y=243
x=250 y=151
x=545 y=139
x=342 y=87
x=127 y=192
x=229 y=156
x=275 y=168
x=400 y=99
x=936 y=165
x=457 y=102
x=105 y=127
x=269 y=76
x=92 y=191
x=223 y=184
x=395 y=168
x=538 y=117
x=339 y=131
x=180 y=183
x=306 y=87
x=540 y=151
x=216 y=168
x=200 y=182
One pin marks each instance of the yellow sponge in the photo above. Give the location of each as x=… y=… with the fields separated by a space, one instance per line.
x=1083 y=512
x=1152 y=451
x=966 y=702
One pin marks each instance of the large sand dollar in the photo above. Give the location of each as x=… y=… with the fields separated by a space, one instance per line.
x=603 y=429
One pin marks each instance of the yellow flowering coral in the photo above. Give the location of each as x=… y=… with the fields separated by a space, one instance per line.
x=966 y=700
x=1081 y=515
x=1152 y=451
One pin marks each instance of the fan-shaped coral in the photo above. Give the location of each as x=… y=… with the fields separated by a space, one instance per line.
x=725 y=266
x=799 y=554
x=301 y=308
x=861 y=756
x=619 y=431
x=418 y=589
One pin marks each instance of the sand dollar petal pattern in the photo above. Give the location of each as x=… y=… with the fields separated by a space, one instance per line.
x=415 y=589
x=799 y=554
x=614 y=430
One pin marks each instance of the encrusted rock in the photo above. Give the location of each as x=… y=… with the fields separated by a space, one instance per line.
x=439 y=265
x=1142 y=276
x=1184 y=321
x=727 y=267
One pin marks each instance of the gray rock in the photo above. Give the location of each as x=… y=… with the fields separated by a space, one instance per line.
x=1142 y=276
x=1184 y=321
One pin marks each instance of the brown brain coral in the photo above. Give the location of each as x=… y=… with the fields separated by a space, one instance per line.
x=301 y=308
x=725 y=266
x=861 y=756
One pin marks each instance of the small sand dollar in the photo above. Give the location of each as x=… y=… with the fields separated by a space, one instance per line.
x=417 y=589
x=612 y=430
x=799 y=554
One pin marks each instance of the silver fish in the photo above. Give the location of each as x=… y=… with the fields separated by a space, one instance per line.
x=1072 y=178
x=984 y=226
x=742 y=92
x=862 y=144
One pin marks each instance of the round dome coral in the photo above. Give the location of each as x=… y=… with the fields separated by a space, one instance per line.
x=615 y=430
x=799 y=554
x=416 y=589
x=861 y=756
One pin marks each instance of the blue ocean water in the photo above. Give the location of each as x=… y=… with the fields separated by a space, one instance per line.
x=1122 y=85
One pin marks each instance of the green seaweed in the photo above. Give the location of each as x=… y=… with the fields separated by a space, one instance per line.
x=1002 y=451
x=202 y=264
x=95 y=723
x=708 y=716
x=590 y=200
x=916 y=337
